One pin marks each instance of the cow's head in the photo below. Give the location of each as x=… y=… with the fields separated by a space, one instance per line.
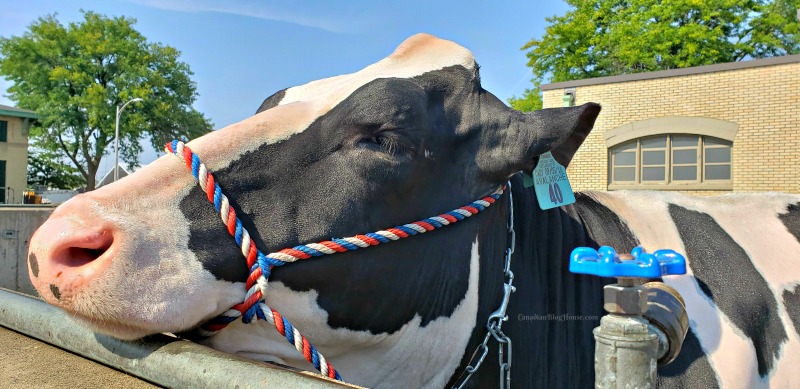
x=408 y=137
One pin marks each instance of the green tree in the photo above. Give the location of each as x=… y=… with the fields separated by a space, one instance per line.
x=75 y=76
x=610 y=37
x=46 y=170
x=531 y=100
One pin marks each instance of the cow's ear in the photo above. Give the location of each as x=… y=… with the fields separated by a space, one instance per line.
x=574 y=122
x=512 y=140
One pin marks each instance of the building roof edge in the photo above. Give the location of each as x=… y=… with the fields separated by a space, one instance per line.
x=720 y=67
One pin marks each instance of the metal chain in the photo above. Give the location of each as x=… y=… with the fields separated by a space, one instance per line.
x=494 y=324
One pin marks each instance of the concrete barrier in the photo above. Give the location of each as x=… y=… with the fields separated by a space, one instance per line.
x=160 y=359
x=17 y=225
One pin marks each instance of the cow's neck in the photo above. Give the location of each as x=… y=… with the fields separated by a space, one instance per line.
x=553 y=312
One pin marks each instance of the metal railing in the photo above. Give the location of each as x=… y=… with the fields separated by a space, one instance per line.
x=160 y=359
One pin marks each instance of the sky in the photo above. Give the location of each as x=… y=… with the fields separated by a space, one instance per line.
x=242 y=51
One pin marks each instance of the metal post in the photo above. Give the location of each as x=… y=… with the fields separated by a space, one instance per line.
x=116 y=137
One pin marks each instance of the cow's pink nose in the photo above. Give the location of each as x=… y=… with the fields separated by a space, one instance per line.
x=69 y=251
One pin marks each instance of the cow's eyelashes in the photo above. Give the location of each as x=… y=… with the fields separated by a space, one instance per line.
x=385 y=143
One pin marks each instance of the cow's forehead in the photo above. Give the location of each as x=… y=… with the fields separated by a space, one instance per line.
x=301 y=105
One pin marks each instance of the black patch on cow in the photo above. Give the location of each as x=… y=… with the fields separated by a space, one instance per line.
x=791 y=300
x=34 y=264
x=54 y=290
x=272 y=101
x=690 y=369
x=791 y=219
x=603 y=226
x=704 y=287
x=209 y=234
x=738 y=288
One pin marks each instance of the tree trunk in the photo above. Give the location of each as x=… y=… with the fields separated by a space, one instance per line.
x=90 y=179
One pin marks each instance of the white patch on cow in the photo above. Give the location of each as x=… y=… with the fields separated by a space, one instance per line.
x=758 y=232
x=427 y=153
x=153 y=276
x=219 y=148
x=413 y=357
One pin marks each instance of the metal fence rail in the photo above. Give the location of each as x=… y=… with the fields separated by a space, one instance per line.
x=160 y=359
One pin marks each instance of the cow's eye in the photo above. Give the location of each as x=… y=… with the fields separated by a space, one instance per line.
x=384 y=143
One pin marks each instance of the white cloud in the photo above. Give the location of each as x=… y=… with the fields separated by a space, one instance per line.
x=254 y=9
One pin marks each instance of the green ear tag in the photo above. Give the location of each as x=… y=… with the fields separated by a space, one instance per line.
x=551 y=183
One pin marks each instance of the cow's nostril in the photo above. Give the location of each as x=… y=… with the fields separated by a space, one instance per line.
x=84 y=251
x=78 y=256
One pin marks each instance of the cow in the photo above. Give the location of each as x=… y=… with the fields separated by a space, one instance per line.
x=411 y=136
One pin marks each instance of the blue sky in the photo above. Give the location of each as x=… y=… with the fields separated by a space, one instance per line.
x=243 y=51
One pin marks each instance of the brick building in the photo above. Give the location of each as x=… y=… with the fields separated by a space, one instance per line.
x=705 y=130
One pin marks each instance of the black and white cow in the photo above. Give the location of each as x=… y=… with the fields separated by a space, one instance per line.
x=411 y=136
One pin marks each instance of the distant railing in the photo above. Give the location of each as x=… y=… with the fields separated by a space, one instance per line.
x=7 y=195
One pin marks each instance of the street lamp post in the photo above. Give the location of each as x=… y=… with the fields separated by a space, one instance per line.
x=116 y=137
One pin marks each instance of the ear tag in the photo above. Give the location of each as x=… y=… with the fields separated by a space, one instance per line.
x=551 y=183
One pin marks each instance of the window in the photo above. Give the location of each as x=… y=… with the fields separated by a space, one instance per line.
x=2 y=182
x=3 y=131
x=671 y=161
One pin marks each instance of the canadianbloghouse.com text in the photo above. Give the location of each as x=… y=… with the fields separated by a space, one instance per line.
x=554 y=317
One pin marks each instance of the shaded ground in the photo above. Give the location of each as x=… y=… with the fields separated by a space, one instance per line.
x=29 y=363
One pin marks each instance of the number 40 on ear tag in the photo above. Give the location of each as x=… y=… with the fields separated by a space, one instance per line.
x=550 y=182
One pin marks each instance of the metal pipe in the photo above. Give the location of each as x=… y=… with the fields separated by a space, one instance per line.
x=666 y=312
x=625 y=348
x=160 y=359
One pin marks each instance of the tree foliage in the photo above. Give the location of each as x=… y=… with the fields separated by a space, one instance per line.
x=75 y=76
x=610 y=37
x=45 y=170
x=531 y=100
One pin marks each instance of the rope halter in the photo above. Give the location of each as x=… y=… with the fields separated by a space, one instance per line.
x=261 y=265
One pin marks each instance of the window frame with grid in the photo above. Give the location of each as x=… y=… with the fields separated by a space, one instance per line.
x=660 y=159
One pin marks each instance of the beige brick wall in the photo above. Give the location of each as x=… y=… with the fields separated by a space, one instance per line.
x=763 y=101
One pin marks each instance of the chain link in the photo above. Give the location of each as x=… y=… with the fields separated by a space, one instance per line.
x=494 y=324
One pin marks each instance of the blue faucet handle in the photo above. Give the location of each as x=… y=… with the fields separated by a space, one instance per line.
x=605 y=262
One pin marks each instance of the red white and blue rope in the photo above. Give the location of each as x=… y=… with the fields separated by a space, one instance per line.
x=261 y=265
